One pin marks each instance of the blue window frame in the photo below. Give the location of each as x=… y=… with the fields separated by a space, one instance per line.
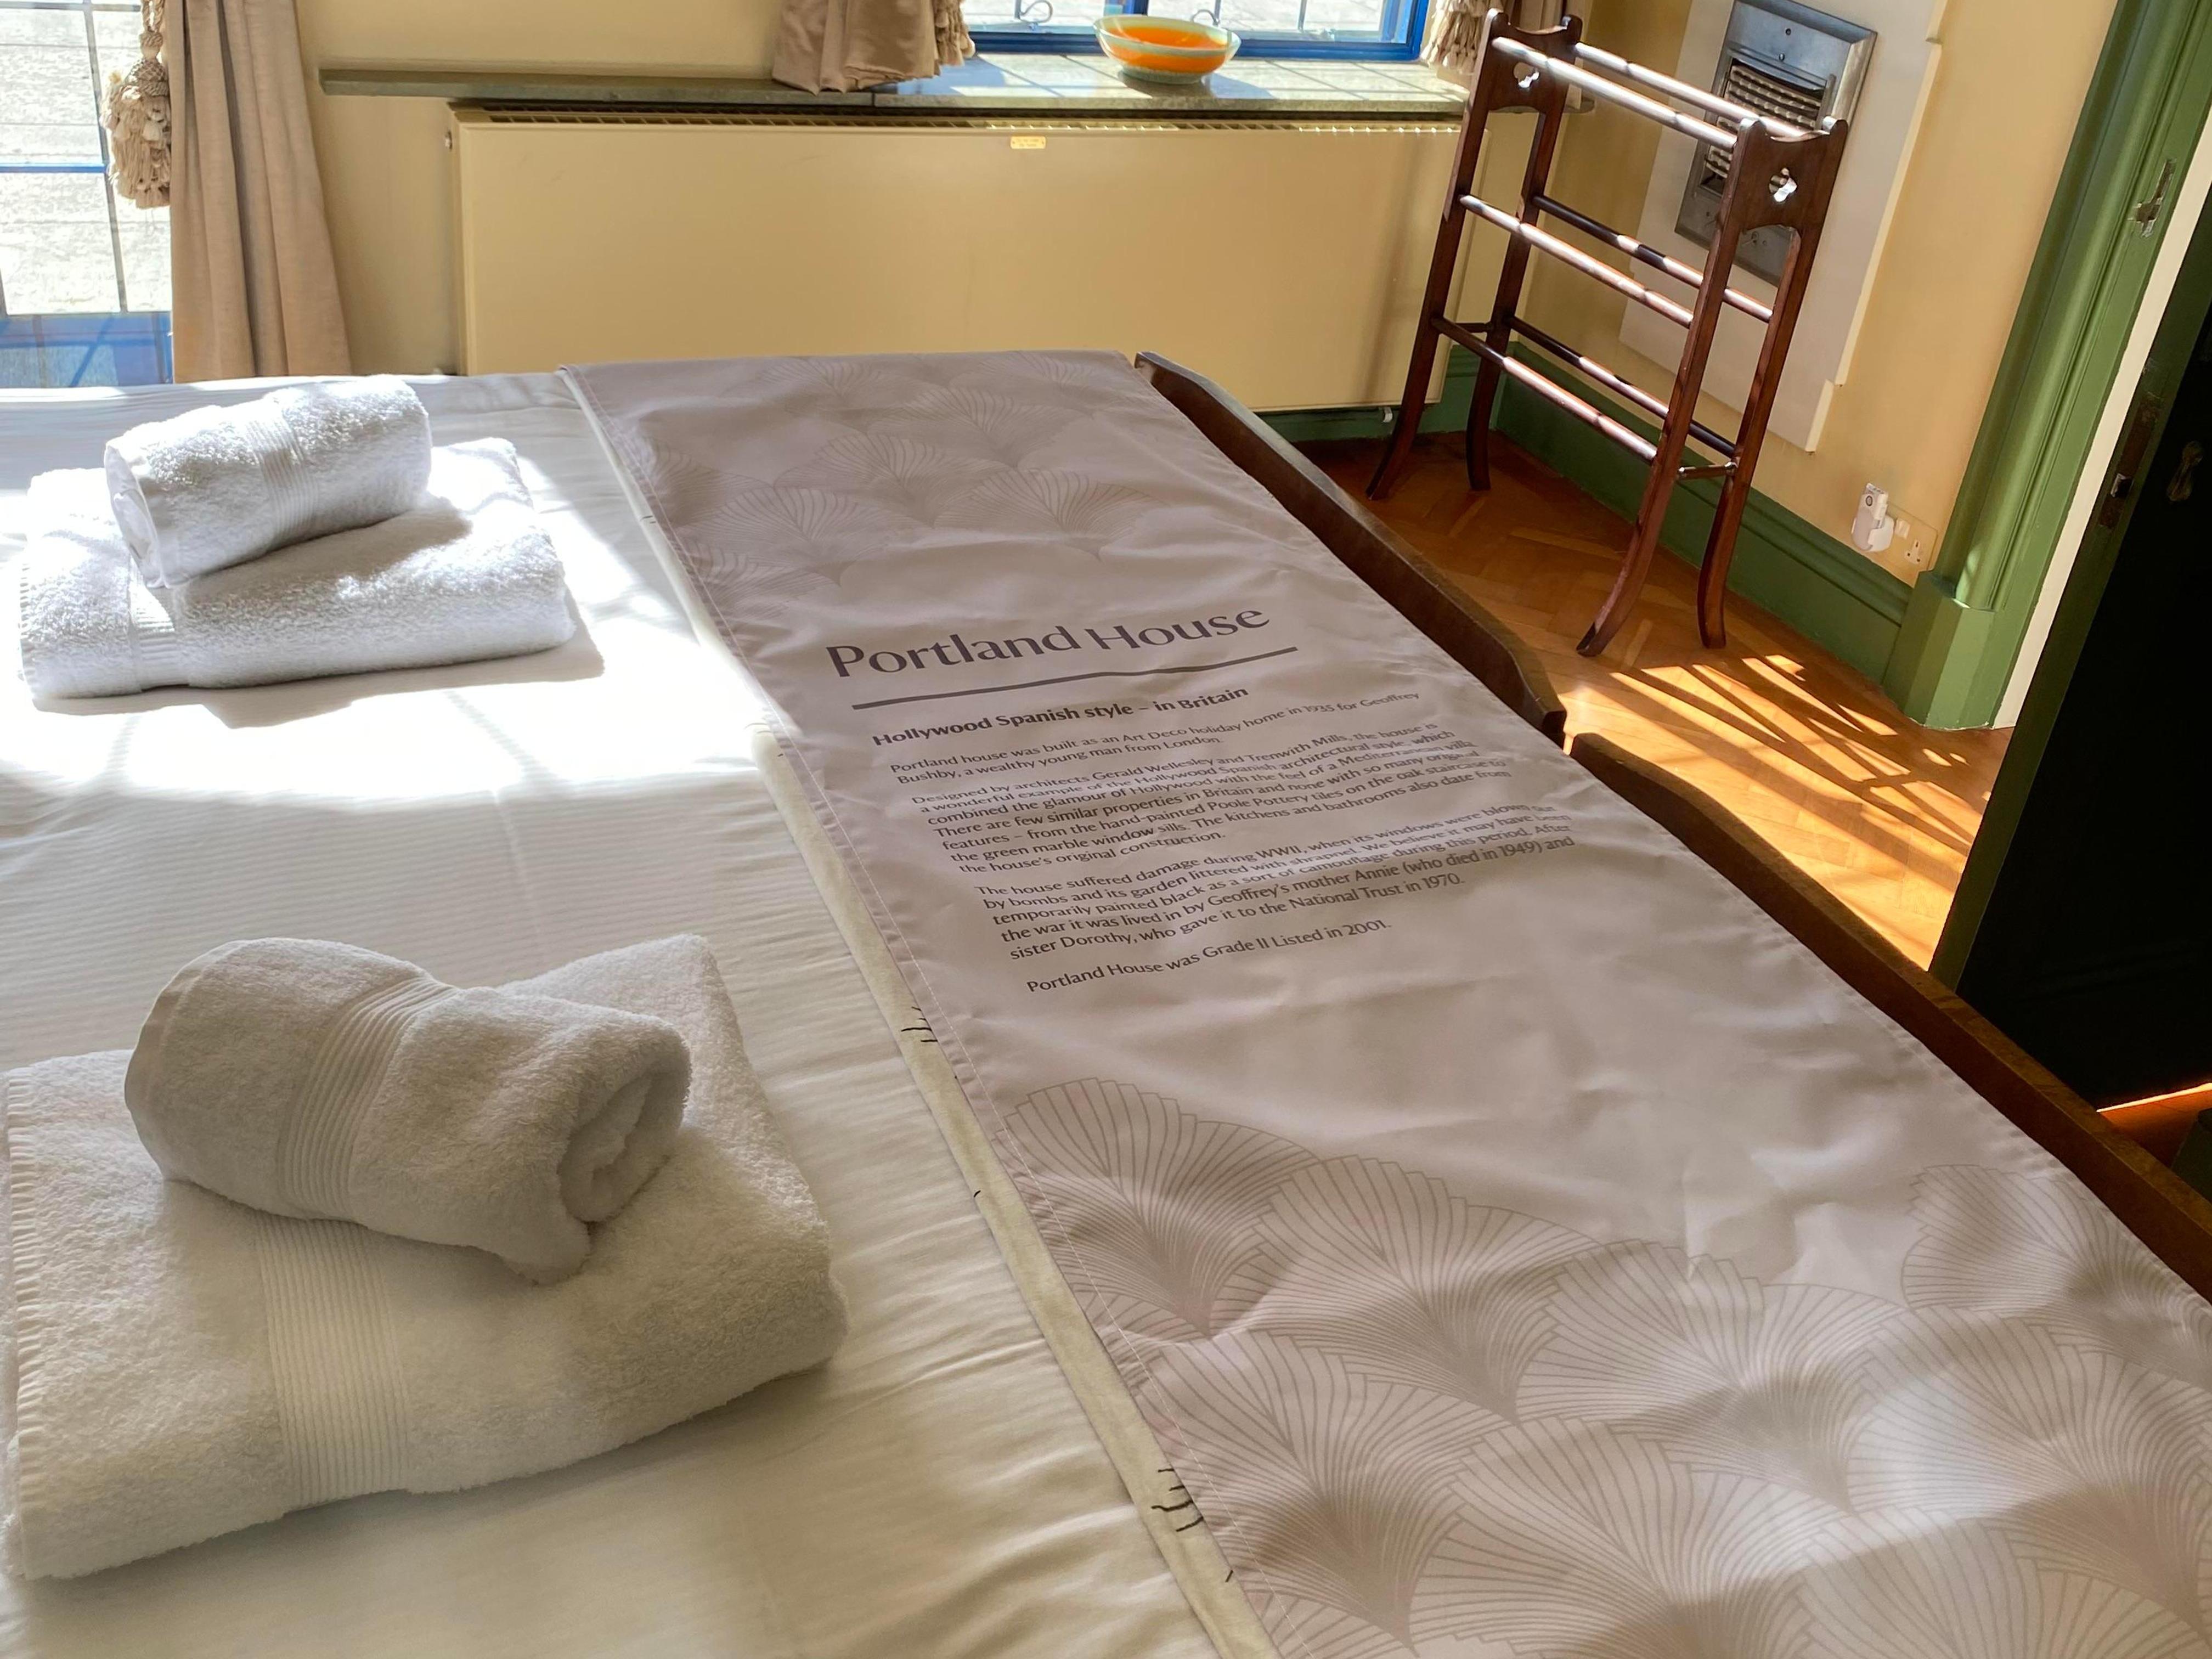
x=1377 y=30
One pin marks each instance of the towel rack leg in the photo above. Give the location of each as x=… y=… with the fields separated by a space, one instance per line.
x=1496 y=87
x=1681 y=409
x=1551 y=100
x=1806 y=219
x=1478 y=428
x=1720 y=553
x=1435 y=297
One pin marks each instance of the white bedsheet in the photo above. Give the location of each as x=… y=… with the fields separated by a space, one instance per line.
x=934 y=1491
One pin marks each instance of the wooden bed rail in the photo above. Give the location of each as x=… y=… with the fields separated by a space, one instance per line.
x=2156 y=1204
x=1470 y=635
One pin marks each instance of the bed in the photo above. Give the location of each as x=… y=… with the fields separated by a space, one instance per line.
x=935 y=1489
x=972 y=1473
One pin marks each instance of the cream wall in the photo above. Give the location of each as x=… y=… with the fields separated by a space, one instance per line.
x=2009 y=84
x=2011 y=79
x=386 y=172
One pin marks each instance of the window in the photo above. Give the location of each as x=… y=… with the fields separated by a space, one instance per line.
x=1270 y=28
x=84 y=274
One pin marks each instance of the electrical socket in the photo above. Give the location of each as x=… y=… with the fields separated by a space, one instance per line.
x=1911 y=545
x=1882 y=529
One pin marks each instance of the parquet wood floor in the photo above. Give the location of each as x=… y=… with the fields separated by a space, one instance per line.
x=1803 y=748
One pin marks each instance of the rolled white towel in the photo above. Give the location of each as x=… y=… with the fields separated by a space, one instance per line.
x=468 y=573
x=320 y=1080
x=216 y=487
x=184 y=1366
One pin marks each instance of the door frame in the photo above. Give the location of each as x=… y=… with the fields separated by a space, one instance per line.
x=1969 y=617
x=2171 y=351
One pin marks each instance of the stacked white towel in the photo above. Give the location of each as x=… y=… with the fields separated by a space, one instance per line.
x=184 y=1366
x=326 y=1082
x=465 y=572
x=216 y=487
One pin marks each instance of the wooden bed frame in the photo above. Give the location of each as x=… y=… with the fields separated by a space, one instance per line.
x=1468 y=634
x=2161 y=1209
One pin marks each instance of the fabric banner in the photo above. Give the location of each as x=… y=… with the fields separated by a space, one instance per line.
x=1520 y=1244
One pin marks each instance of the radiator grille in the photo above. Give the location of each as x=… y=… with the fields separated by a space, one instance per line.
x=538 y=116
x=1758 y=88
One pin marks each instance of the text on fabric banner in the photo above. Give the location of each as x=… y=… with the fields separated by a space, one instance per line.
x=953 y=650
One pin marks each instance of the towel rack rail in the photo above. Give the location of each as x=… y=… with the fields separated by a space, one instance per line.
x=1567 y=254
x=1620 y=387
x=1711 y=102
x=1645 y=252
x=1613 y=93
x=1777 y=175
x=1553 y=393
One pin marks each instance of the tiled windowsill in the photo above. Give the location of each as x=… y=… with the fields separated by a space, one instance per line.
x=1009 y=83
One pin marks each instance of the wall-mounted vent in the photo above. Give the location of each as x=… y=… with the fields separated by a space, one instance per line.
x=1788 y=61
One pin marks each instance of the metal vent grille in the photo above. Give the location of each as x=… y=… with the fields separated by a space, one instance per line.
x=1794 y=65
x=536 y=116
x=1756 y=87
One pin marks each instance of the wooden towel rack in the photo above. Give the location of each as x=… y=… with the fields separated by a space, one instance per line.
x=1778 y=174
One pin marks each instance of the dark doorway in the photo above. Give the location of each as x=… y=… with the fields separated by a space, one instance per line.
x=2093 y=950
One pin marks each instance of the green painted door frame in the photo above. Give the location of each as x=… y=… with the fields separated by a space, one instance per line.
x=2171 y=354
x=1967 y=619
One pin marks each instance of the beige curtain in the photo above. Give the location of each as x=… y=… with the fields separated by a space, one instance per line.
x=254 y=290
x=1456 y=28
x=842 y=45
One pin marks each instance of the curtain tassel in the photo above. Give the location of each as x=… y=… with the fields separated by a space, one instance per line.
x=137 y=118
x=1455 y=45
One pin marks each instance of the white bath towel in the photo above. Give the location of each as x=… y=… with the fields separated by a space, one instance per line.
x=323 y=1081
x=467 y=573
x=184 y=1366
x=216 y=487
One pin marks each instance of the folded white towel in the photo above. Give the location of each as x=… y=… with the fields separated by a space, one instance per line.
x=215 y=487
x=184 y=1366
x=467 y=573
x=324 y=1081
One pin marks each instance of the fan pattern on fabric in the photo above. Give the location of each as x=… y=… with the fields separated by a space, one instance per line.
x=1418 y=1425
x=1453 y=1387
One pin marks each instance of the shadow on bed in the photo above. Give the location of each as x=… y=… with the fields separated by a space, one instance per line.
x=575 y=659
x=767 y=1508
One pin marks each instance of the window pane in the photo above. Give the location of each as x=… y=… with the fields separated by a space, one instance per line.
x=144 y=232
x=1247 y=17
x=1350 y=26
x=55 y=251
x=46 y=108
x=1343 y=17
x=117 y=33
x=1056 y=14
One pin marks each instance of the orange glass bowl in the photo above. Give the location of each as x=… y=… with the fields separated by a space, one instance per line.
x=1165 y=49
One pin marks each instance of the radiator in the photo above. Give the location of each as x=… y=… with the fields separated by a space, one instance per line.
x=1285 y=260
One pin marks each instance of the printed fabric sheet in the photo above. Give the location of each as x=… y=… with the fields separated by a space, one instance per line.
x=1518 y=1242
